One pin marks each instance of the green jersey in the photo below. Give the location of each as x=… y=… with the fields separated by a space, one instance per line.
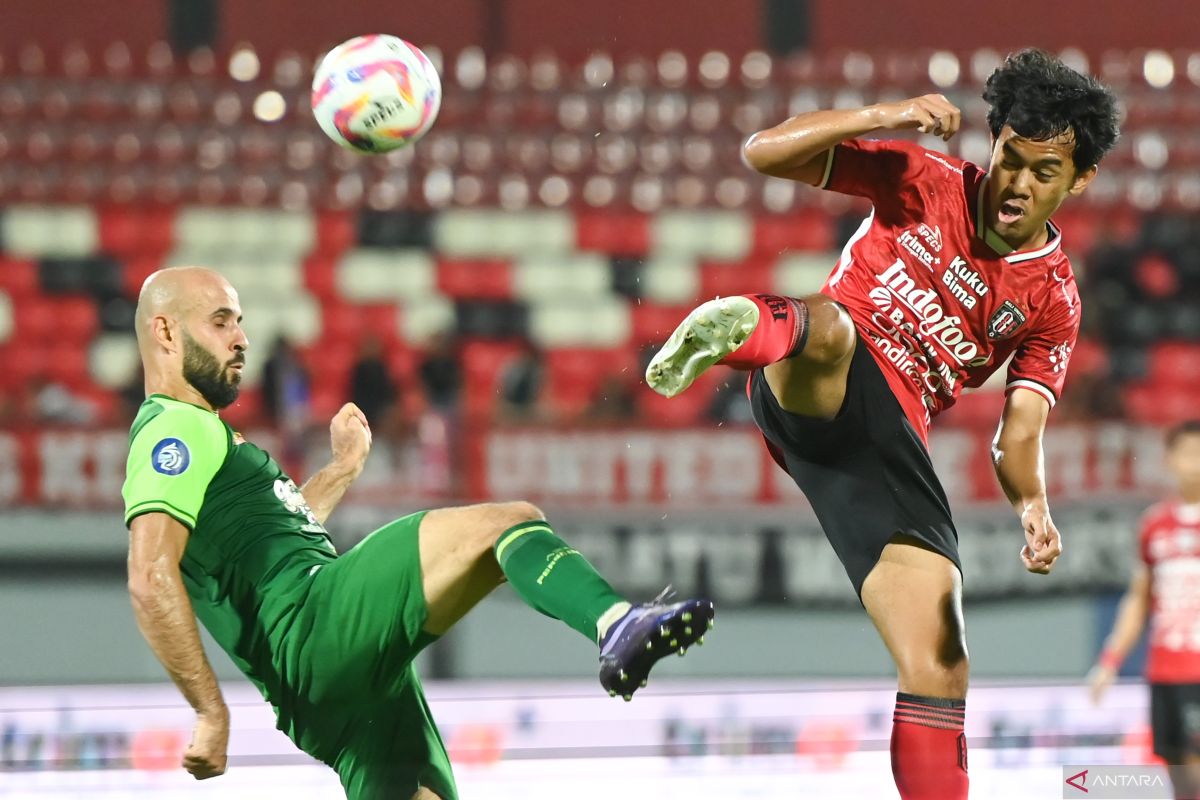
x=253 y=538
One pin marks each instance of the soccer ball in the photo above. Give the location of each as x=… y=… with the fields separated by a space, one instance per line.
x=375 y=93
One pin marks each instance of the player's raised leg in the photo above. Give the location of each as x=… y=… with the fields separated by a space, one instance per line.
x=466 y=552
x=804 y=344
x=914 y=597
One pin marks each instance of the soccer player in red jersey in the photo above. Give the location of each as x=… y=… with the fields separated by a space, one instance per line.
x=957 y=268
x=1165 y=590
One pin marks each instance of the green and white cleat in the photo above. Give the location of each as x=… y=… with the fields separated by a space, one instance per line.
x=708 y=334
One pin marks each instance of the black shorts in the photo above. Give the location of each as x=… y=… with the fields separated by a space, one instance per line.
x=1175 y=720
x=866 y=472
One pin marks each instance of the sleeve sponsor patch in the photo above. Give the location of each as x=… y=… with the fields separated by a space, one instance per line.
x=170 y=456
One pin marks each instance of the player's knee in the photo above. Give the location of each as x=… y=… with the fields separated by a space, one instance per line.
x=831 y=333
x=517 y=511
x=502 y=516
x=943 y=673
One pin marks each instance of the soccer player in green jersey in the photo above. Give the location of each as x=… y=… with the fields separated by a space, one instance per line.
x=218 y=531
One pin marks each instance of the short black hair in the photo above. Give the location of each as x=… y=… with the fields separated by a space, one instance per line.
x=1040 y=97
x=1179 y=430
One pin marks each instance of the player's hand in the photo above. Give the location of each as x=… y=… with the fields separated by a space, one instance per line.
x=1099 y=679
x=1043 y=544
x=350 y=436
x=205 y=757
x=931 y=113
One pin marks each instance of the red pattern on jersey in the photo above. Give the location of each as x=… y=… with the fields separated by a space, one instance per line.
x=939 y=308
x=1170 y=546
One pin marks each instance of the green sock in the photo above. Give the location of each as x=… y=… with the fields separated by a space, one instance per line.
x=553 y=577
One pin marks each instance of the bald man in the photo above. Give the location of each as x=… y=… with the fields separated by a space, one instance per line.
x=218 y=531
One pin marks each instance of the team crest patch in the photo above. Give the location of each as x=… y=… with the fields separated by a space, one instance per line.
x=1005 y=321
x=170 y=457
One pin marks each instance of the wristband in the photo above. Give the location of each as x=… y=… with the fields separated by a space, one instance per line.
x=1110 y=659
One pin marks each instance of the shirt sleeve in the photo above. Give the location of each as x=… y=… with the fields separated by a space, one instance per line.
x=875 y=169
x=1040 y=361
x=172 y=459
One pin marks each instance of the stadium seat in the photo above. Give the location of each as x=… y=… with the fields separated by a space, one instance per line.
x=375 y=274
x=723 y=278
x=670 y=280
x=475 y=279
x=592 y=323
x=113 y=360
x=567 y=277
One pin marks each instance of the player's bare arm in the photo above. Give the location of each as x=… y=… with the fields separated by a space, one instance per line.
x=795 y=149
x=1127 y=629
x=1017 y=457
x=350 y=437
x=164 y=615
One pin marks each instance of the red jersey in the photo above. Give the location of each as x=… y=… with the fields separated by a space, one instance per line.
x=942 y=301
x=1169 y=543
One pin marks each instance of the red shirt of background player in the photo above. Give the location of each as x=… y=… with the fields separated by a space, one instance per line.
x=942 y=301
x=1169 y=544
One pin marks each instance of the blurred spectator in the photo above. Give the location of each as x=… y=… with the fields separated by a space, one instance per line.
x=285 y=396
x=614 y=401
x=131 y=396
x=730 y=405
x=441 y=378
x=521 y=385
x=441 y=375
x=55 y=404
x=372 y=388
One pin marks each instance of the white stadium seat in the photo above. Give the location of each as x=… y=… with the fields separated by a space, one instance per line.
x=670 y=280
x=717 y=235
x=596 y=323
x=422 y=319
x=574 y=275
x=374 y=274
x=6 y=318
x=798 y=274
x=49 y=231
x=113 y=359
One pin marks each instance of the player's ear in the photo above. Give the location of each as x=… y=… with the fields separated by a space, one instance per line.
x=164 y=334
x=1082 y=179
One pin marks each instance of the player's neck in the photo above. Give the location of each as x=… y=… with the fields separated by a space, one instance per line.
x=1034 y=242
x=176 y=389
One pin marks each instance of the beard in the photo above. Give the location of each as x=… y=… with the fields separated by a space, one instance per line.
x=208 y=376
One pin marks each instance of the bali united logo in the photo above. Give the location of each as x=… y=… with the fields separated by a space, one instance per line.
x=1005 y=321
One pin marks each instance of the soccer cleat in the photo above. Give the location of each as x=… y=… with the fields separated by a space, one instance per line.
x=647 y=633
x=708 y=334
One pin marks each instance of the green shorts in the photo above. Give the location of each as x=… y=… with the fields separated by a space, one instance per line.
x=356 y=701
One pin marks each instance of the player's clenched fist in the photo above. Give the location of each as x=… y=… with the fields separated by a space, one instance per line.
x=1043 y=544
x=931 y=113
x=205 y=757
x=350 y=435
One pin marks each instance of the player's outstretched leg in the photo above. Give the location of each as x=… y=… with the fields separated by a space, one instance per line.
x=805 y=343
x=466 y=552
x=914 y=597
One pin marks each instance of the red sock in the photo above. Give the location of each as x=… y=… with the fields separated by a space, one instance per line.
x=781 y=332
x=929 y=748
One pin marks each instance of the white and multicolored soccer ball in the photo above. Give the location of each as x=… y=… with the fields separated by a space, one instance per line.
x=375 y=93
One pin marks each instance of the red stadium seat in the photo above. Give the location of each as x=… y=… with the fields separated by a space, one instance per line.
x=475 y=280
x=320 y=278
x=483 y=362
x=335 y=233
x=1174 y=365
x=723 y=280
x=684 y=410
x=616 y=233
x=810 y=230
x=18 y=278
x=654 y=323
x=574 y=376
